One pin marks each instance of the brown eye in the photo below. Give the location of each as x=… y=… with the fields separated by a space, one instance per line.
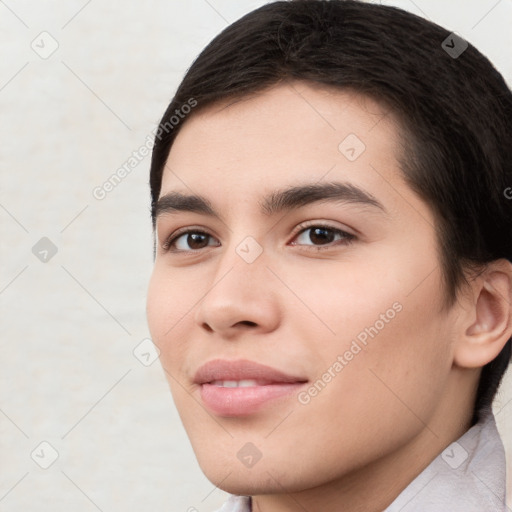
x=323 y=235
x=320 y=235
x=187 y=241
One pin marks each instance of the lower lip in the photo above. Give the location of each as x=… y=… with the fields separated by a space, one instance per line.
x=244 y=401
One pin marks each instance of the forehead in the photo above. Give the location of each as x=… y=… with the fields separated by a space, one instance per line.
x=285 y=135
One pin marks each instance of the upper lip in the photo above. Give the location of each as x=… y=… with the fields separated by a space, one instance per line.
x=241 y=369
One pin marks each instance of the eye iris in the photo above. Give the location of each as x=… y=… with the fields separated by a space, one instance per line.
x=322 y=237
x=194 y=237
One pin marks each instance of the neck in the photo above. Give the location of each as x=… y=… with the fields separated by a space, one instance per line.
x=375 y=486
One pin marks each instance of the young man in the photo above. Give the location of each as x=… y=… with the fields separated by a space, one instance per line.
x=332 y=287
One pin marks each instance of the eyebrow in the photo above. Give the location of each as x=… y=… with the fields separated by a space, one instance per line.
x=278 y=201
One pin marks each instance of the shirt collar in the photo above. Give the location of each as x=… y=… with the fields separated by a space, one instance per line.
x=467 y=476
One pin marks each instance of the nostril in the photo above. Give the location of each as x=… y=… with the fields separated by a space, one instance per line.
x=247 y=322
x=207 y=327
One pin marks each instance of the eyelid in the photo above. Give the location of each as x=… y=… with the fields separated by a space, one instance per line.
x=322 y=223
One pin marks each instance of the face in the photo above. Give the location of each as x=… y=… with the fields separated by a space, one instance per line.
x=338 y=289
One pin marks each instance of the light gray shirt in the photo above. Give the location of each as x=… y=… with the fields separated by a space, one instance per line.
x=468 y=476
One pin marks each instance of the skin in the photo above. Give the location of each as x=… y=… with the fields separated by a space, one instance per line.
x=397 y=403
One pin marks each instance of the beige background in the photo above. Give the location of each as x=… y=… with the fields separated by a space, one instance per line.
x=69 y=326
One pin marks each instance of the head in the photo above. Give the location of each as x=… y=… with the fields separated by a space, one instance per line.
x=413 y=290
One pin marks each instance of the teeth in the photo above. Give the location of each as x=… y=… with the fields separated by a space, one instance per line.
x=247 y=383
x=234 y=383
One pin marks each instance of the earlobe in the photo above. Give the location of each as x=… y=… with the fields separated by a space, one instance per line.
x=489 y=321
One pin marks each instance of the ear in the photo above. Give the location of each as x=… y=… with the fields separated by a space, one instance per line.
x=487 y=323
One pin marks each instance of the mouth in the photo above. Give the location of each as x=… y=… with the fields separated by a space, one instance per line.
x=242 y=387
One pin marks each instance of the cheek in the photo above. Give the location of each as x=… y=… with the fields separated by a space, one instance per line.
x=167 y=312
x=157 y=307
x=414 y=361
x=393 y=347
x=338 y=306
x=169 y=302
x=396 y=360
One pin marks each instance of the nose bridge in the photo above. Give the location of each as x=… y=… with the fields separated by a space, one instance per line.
x=244 y=250
x=240 y=290
x=242 y=265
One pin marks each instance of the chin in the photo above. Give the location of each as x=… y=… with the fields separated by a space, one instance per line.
x=248 y=483
x=267 y=476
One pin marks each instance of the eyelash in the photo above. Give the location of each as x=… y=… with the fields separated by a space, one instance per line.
x=347 y=238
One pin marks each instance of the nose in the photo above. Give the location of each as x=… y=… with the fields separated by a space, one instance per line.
x=241 y=296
